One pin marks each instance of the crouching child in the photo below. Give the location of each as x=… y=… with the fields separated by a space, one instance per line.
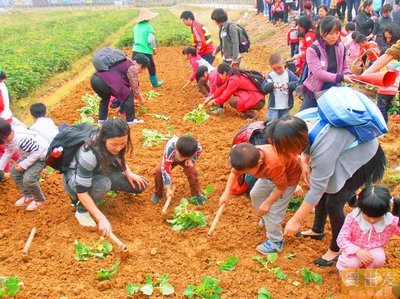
x=26 y=171
x=183 y=151
x=278 y=177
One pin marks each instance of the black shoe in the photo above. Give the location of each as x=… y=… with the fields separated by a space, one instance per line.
x=321 y=262
x=314 y=237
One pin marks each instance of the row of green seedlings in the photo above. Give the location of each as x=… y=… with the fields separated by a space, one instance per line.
x=88 y=112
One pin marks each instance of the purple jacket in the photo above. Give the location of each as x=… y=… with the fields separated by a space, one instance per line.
x=117 y=80
x=317 y=67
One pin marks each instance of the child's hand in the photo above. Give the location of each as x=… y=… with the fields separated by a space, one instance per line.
x=365 y=256
x=298 y=192
x=264 y=208
x=224 y=199
x=285 y=86
x=18 y=168
x=189 y=163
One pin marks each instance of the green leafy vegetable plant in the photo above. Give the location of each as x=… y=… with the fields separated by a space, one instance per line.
x=112 y=194
x=264 y=294
x=210 y=189
x=162 y=284
x=183 y=218
x=151 y=94
x=98 y=249
x=9 y=286
x=228 y=265
x=208 y=289
x=107 y=274
x=90 y=110
x=197 y=115
x=160 y=116
x=152 y=137
x=271 y=258
x=294 y=204
x=309 y=276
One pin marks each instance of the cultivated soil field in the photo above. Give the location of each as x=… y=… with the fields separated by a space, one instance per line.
x=53 y=271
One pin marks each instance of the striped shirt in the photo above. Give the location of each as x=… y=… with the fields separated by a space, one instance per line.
x=169 y=159
x=31 y=146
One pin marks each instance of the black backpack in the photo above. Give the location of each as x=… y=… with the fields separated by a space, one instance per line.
x=70 y=139
x=256 y=77
x=244 y=39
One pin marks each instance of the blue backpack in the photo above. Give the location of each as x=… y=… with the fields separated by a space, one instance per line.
x=344 y=107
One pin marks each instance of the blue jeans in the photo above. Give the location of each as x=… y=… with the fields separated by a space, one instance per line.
x=294 y=49
x=275 y=114
x=308 y=102
x=350 y=4
x=267 y=10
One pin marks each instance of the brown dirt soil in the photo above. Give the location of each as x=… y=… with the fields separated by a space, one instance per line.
x=53 y=271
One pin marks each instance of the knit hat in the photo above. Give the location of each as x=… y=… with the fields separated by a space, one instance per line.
x=145 y=15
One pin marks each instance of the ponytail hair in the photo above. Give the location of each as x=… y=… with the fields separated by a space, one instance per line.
x=396 y=208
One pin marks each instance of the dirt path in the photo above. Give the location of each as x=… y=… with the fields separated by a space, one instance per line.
x=188 y=256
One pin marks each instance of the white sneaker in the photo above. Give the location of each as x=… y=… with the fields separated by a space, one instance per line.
x=23 y=201
x=34 y=205
x=85 y=219
x=136 y=121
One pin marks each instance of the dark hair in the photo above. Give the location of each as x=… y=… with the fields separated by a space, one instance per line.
x=308 y=5
x=328 y=24
x=186 y=146
x=5 y=130
x=187 y=14
x=393 y=29
x=324 y=7
x=223 y=68
x=275 y=59
x=200 y=72
x=219 y=15
x=355 y=34
x=367 y=3
x=189 y=50
x=305 y=23
x=296 y=21
x=38 y=110
x=386 y=8
x=142 y=60
x=244 y=156
x=112 y=127
x=374 y=201
x=360 y=38
x=350 y=26
x=3 y=75
x=289 y=134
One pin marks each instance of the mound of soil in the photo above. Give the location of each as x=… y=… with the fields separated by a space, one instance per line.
x=53 y=271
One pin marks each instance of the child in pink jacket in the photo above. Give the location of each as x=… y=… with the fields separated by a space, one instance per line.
x=366 y=231
x=195 y=61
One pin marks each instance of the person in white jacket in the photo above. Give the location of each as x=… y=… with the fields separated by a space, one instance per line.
x=44 y=126
x=27 y=170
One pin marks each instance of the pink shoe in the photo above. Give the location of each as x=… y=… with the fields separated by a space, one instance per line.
x=34 y=205
x=23 y=201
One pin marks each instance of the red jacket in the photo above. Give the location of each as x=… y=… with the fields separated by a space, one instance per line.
x=241 y=87
x=292 y=36
x=201 y=39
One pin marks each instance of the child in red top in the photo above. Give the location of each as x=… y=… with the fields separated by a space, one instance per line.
x=309 y=36
x=368 y=49
x=278 y=177
x=195 y=61
x=293 y=38
x=208 y=82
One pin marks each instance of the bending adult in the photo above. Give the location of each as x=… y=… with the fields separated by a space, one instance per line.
x=307 y=29
x=201 y=37
x=145 y=42
x=100 y=166
x=392 y=53
x=228 y=38
x=238 y=90
x=122 y=82
x=327 y=63
x=365 y=20
x=334 y=174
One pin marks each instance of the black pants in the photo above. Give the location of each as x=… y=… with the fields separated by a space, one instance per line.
x=384 y=104
x=333 y=204
x=294 y=49
x=104 y=92
x=152 y=67
x=260 y=6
